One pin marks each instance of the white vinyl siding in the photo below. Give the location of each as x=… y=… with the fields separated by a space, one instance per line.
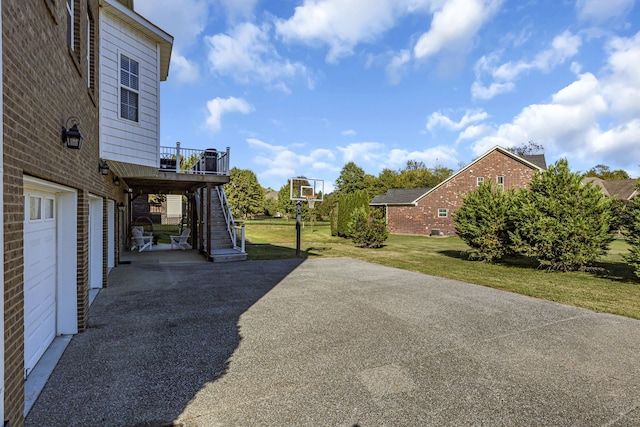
x=136 y=142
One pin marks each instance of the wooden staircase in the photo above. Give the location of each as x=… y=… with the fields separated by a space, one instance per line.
x=221 y=246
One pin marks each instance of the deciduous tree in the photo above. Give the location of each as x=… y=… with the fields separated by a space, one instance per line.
x=244 y=193
x=605 y=173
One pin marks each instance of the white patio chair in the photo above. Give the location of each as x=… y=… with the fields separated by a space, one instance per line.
x=139 y=240
x=181 y=240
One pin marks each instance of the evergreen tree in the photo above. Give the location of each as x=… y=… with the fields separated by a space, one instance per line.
x=632 y=233
x=561 y=222
x=347 y=203
x=368 y=227
x=484 y=222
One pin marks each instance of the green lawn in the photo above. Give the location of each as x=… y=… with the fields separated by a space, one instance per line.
x=612 y=289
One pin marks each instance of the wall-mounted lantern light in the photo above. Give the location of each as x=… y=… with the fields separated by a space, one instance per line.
x=116 y=181
x=72 y=136
x=121 y=207
x=103 y=168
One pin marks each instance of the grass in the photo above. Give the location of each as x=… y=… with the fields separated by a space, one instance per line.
x=615 y=289
x=163 y=231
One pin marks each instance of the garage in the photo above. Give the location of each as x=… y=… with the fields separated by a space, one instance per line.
x=40 y=275
x=50 y=294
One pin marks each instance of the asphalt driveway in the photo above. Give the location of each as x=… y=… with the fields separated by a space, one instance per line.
x=336 y=342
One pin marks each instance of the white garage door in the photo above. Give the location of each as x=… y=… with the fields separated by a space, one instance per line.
x=40 y=275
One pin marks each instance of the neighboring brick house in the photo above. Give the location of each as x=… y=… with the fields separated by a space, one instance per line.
x=430 y=211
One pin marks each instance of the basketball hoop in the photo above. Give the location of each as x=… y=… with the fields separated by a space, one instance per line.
x=310 y=201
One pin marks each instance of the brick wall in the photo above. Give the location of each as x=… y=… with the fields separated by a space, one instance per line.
x=421 y=219
x=44 y=84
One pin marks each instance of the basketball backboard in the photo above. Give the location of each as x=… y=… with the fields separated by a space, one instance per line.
x=306 y=189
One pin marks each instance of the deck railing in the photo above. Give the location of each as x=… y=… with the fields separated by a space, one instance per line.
x=194 y=161
x=236 y=232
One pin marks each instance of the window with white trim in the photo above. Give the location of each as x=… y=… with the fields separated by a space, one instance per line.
x=443 y=213
x=70 y=24
x=35 y=208
x=49 y=208
x=479 y=180
x=500 y=182
x=129 y=87
x=90 y=51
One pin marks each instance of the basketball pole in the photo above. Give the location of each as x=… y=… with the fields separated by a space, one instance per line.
x=298 y=225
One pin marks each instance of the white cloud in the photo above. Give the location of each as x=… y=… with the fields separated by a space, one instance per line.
x=184 y=20
x=570 y=124
x=438 y=119
x=397 y=65
x=568 y=121
x=599 y=11
x=622 y=84
x=479 y=91
x=246 y=54
x=474 y=132
x=183 y=70
x=282 y=162
x=454 y=24
x=369 y=152
x=441 y=155
x=349 y=132
x=339 y=24
x=219 y=106
x=239 y=9
x=562 y=48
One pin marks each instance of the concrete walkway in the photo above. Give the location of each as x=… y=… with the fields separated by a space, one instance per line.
x=335 y=342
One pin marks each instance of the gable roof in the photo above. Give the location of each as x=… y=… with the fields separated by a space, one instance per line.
x=399 y=196
x=623 y=189
x=409 y=196
x=522 y=160
x=536 y=159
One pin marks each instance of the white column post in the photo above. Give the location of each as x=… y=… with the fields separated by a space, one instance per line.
x=177 y=157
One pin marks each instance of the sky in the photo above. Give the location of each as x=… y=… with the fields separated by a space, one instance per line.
x=302 y=87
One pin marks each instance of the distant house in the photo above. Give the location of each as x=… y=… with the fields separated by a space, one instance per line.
x=623 y=189
x=429 y=211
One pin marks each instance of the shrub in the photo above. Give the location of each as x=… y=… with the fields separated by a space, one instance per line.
x=368 y=229
x=484 y=222
x=632 y=234
x=347 y=203
x=561 y=222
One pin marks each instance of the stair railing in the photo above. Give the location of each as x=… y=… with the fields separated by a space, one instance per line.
x=234 y=230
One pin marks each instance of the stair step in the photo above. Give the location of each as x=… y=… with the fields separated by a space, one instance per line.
x=227 y=256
